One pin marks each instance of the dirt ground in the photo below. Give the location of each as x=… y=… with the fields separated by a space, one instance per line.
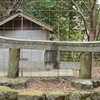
x=57 y=84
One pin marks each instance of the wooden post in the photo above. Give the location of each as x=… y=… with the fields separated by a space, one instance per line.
x=14 y=57
x=86 y=65
x=50 y=58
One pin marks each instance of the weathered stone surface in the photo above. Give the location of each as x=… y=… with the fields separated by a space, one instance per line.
x=67 y=96
x=85 y=94
x=56 y=97
x=50 y=58
x=82 y=84
x=96 y=83
x=17 y=83
x=95 y=96
x=31 y=97
x=85 y=64
x=75 y=96
x=2 y=97
x=91 y=46
x=7 y=94
x=88 y=98
x=24 y=97
x=14 y=57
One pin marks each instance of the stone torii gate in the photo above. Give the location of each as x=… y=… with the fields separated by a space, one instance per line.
x=15 y=45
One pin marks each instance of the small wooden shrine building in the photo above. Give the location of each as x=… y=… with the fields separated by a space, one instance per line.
x=20 y=25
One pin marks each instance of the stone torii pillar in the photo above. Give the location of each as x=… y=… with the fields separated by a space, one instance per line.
x=14 y=57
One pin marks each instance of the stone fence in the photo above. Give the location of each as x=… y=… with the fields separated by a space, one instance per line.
x=91 y=46
x=51 y=53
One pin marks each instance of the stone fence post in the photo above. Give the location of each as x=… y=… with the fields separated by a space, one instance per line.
x=14 y=57
x=86 y=65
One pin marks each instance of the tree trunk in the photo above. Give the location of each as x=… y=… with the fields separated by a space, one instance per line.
x=14 y=57
x=86 y=65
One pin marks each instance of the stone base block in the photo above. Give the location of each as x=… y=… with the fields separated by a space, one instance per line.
x=17 y=83
x=82 y=84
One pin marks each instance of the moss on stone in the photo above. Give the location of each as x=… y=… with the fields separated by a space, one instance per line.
x=32 y=92
x=4 y=88
x=7 y=93
x=56 y=92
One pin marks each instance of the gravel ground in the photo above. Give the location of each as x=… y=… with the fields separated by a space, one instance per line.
x=56 y=84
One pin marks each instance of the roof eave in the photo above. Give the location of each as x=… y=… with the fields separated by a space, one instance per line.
x=33 y=19
x=9 y=18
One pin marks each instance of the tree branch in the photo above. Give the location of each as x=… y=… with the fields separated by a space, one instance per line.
x=97 y=34
x=14 y=7
x=75 y=5
x=66 y=2
x=10 y=9
x=89 y=2
x=86 y=6
x=79 y=12
x=97 y=30
x=93 y=5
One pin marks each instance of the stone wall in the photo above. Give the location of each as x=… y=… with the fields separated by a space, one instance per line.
x=9 y=94
x=62 y=96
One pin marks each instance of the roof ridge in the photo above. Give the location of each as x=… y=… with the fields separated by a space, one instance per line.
x=19 y=10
